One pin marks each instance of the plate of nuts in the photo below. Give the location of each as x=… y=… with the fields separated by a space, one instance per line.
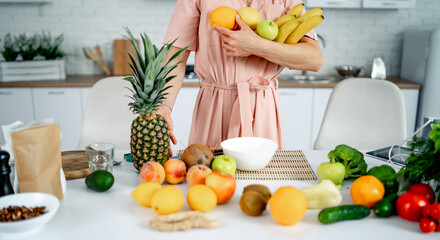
x=24 y=212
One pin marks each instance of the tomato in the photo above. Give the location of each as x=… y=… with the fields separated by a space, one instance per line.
x=424 y=189
x=427 y=225
x=432 y=210
x=410 y=206
x=367 y=190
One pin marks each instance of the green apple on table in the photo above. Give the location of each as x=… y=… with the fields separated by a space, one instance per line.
x=334 y=171
x=224 y=163
x=267 y=29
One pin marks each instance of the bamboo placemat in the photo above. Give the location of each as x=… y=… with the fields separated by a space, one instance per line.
x=285 y=165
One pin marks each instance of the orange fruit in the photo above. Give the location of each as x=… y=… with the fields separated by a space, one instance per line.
x=224 y=17
x=367 y=190
x=288 y=205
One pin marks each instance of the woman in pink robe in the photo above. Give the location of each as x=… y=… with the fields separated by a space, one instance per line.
x=238 y=69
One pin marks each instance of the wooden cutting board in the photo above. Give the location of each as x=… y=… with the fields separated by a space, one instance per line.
x=120 y=57
x=75 y=164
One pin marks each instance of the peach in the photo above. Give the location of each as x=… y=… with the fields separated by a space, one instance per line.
x=175 y=171
x=152 y=172
x=197 y=174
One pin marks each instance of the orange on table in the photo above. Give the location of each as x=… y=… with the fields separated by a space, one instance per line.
x=367 y=190
x=224 y=17
x=288 y=205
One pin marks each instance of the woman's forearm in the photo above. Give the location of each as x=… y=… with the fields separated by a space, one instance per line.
x=305 y=55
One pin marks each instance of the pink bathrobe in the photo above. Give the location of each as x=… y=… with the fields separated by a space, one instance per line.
x=238 y=96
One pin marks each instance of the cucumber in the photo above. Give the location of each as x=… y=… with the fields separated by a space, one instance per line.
x=342 y=213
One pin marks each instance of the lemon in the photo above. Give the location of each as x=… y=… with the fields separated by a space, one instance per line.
x=144 y=192
x=167 y=200
x=201 y=198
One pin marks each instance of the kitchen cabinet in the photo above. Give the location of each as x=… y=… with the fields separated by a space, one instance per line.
x=296 y=112
x=64 y=106
x=320 y=100
x=15 y=105
x=182 y=116
x=392 y=4
x=333 y=3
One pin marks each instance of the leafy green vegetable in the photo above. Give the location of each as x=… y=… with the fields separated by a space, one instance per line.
x=423 y=164
x=351 y=158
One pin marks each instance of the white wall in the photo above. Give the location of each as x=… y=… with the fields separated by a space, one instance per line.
x=353 y=36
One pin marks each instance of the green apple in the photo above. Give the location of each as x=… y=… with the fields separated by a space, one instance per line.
x=250 y=16
x=225 y=164
x=267 y=29
x=334 y=171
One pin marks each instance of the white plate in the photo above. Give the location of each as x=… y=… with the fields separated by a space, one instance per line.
x=29 y=200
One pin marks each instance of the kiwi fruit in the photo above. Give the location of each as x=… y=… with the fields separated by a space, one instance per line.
x=263 y=190
x=253 y=203
x=197 y=154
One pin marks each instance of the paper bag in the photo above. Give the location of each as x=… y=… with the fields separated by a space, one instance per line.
x=37 y=154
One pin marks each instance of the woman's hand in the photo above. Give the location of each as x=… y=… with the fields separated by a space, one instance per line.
x=165 y=112
x=239 y=43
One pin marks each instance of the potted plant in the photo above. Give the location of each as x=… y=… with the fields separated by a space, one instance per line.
x=37 y=57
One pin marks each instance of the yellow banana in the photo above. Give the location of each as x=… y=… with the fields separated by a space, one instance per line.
x=304 y=27
x=285 y=30
x=296 y=10
x=310 y=13
x=284 y=19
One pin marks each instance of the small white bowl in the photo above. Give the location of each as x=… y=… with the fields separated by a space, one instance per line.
x=250 y=153
x=29 y=200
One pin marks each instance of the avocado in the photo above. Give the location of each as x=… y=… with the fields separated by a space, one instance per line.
x=100 y=180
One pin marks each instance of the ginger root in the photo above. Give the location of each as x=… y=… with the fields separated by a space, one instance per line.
x=182 y=221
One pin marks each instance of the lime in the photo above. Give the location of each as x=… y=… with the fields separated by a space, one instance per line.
x=100 y=180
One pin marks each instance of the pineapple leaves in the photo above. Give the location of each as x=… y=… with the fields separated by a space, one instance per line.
x=150 y=68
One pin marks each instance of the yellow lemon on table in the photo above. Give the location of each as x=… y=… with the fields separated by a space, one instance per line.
x=201 y=198
x=144 y=192
x=167 y=200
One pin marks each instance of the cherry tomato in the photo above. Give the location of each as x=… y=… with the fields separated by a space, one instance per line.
x=424 y=189
x=427 y=225
x=432 y=210
x=410 y=206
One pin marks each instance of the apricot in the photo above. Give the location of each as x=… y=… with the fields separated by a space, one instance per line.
x=175 y=171
x=152 y=172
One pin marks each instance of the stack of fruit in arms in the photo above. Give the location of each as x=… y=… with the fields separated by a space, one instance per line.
x=289 y=28
x=211 y=179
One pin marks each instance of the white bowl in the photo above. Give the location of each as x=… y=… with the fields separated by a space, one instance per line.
x=29 y=200
x=250 y=153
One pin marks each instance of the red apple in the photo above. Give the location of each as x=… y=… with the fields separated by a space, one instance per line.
x=197 y=174
x=223 y=185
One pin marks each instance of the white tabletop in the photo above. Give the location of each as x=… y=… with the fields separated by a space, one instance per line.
x=86 y=214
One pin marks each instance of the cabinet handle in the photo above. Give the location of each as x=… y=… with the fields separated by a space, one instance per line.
x=333 y=3
x=289 y=93
x=56 y=93
x=6 y=93
x=388 y=4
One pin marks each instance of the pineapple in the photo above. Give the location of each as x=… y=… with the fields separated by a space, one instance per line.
x=149 y=131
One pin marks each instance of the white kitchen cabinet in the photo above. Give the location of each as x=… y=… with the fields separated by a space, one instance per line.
x=411 y=97
x=388 y=4
x=333 y=3
x=182 y=116
x=85 y=92
x=64 y=106
x=296 y=113
x=15 y=105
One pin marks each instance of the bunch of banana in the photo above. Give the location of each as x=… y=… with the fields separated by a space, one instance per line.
x=292 y=28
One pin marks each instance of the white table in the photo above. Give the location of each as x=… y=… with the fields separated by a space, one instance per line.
x=86 y=214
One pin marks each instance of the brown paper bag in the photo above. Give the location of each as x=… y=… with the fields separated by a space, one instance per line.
x=37 y=154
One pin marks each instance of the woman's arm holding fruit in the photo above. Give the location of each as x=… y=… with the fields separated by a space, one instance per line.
x=305 y=55
x=176 y=83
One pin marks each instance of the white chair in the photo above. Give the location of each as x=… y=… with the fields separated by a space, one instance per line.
x=107 y=116
x=363 y=113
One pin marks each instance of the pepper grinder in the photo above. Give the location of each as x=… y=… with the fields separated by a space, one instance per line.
x=5 y=170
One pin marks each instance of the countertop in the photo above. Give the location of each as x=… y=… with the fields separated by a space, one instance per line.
x=86 y=214
x=89 y=80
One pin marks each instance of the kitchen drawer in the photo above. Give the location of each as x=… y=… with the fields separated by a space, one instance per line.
x=392 y=4
x=333 y=3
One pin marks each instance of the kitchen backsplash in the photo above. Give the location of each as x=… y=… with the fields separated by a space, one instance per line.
x=352 y=36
